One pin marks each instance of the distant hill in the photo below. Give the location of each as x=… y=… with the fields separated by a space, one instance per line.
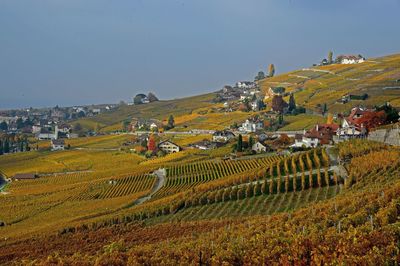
x=377 y=77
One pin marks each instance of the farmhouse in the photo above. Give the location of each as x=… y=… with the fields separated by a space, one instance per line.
x=350 y=59
x=57 y=144
x=223 y=136
x=259 y=147
x=319 y=135
x=169 y=147
x=25 y=176
x=359 y=122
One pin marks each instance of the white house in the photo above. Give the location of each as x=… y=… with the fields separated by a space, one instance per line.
x=350 y=59
x=252 y=125
x=259 y=147
x=46 y=136
x=57 y=144
x=169 y=147
x=223 y=136
x=153 y=127
x=245 y=85
x=303 y=141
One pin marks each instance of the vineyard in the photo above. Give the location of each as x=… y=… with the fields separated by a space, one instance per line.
x=279 y=209
x=185 y=177
x=301 y=197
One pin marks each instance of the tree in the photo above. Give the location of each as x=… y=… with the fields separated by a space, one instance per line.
x=171 y=121
x=330 y=57
x=251 y=143
x=239 y=147
x=324 y=108
x=125 y=125
x=20 y=123
x=292 y=103
x=278 y=104
x=138 y=99
x=260 y=76
x=152 y=97
x=271 y=70
x=3 y=126
x=329 y=120
x=151 y=143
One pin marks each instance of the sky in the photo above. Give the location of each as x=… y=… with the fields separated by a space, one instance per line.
x=73 y=52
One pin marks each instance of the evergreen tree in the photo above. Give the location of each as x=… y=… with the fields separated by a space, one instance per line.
x=330 y=57
x=251 y=143
x=240 y=143
x=171 y=121
x=3 y=126
x=260 y=76
x=292 y=103
x=6 y=146
x=271 y=70
x=324 y=108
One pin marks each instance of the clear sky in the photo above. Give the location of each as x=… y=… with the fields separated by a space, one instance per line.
x=69 y=52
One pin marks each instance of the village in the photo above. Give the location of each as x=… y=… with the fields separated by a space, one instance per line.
x=260 y=132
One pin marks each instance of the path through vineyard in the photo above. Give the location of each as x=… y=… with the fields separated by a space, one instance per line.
x=339 y=169
x=160 y=174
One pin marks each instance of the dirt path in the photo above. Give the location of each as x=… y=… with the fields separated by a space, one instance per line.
x=161 y=175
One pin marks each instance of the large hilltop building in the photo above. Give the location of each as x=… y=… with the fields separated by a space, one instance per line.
x=350 y=59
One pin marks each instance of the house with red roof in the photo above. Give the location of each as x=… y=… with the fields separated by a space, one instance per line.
x=360 y=122
x=321 y=134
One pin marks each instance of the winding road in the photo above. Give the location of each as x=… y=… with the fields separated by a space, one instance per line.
x=161 y=175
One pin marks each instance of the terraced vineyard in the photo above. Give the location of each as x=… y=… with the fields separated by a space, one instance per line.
x=118 y=187
x=258 y=205
x=185 y=177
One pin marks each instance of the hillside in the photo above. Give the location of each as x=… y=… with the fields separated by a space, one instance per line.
x=377 y=77
x=302 y=209
x=313 y=87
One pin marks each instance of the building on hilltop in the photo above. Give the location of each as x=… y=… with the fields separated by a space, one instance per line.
x=350 y=59
x=246 y=85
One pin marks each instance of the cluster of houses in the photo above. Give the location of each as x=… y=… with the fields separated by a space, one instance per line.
x=356 y=125
x=31 y=121
x=243 y=95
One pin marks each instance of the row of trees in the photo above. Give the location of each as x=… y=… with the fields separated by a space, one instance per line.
x=13 y=143
x=261 y=75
